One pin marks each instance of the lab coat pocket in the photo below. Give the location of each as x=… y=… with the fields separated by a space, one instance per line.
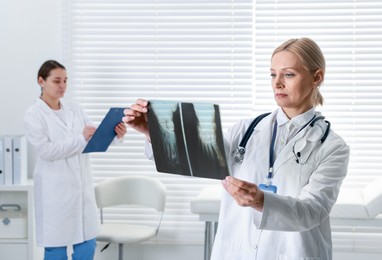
x=305 y=171
x=307 y=163
x=56 y=186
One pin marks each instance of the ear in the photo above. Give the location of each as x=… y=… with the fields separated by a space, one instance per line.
x=40 y=81
x=318 y=77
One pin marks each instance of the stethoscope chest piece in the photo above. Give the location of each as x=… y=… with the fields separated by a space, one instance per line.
x=238 y=154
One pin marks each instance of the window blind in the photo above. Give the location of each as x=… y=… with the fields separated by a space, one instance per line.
x=189 y=50
x=350 y=36
x=206 y=51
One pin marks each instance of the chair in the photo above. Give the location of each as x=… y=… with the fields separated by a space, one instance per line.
x=131 y=191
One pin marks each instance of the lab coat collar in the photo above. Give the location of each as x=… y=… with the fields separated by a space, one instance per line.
x=68 y=111
x=298 y=121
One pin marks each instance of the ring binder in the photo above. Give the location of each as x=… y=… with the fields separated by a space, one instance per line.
x=13 y=160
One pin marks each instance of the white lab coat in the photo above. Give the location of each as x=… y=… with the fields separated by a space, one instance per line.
x=65 y=206
x=295 y=222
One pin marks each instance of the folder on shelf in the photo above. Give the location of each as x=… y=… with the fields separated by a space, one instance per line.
x=1 y=161
x=8 y=161
x=20 y=158
x=105 y=132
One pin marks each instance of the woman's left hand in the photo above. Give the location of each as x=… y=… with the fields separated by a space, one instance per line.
x=120 y=129
x=245 y=194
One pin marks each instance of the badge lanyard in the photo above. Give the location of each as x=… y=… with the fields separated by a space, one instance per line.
x=268 y=184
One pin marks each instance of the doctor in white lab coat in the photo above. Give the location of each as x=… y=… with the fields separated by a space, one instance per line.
x=294 y=222
x=278 y=199
x=65 y=208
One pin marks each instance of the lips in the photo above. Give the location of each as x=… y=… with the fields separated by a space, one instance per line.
x=280 y=95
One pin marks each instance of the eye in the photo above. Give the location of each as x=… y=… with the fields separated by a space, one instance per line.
x=273 y=75
x=289 y=75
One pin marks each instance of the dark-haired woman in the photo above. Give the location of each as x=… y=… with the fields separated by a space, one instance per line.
x=65 y=207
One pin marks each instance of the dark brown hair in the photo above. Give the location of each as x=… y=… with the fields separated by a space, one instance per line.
x=47 y=67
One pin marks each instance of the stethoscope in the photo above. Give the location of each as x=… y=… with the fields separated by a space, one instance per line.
x=239 y=152
x=310 y=124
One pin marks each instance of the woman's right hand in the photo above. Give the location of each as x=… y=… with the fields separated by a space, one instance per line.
x=245 y=194
x=88 y=132
x=136 y=117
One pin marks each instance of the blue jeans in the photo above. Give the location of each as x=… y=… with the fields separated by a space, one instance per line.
x=81 y=251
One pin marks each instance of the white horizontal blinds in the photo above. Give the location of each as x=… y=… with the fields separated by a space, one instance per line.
x=189 y=50
x=350 y=35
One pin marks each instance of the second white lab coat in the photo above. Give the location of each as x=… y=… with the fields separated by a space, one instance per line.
x=295 y=222
x=65 y=207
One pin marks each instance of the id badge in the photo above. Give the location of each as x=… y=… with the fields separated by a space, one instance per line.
x=268 y=188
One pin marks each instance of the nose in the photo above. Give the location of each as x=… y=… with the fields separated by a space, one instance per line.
x=277 y=82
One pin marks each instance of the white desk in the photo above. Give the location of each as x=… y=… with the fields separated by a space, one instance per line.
x=363 y=204
x=207 y=205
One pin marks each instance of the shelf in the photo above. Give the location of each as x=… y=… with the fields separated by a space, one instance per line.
x=22 y=187
x=14 y=241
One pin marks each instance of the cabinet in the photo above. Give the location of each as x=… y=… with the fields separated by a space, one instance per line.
x=16 y=246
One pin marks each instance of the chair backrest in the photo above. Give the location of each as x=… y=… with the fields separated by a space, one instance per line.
x=131 y=190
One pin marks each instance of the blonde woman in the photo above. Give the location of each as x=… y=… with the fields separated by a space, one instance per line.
x=282 y=189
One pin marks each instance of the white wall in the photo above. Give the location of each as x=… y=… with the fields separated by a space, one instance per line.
x=30 y=34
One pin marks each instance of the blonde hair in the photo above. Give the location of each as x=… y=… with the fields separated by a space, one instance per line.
x=311 y=57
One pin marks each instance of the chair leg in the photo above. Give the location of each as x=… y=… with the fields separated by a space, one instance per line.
x=120 y=251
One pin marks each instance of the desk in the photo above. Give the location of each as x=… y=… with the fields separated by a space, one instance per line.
x=207 y=205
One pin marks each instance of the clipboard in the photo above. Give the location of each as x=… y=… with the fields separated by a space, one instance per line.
x=105 y=132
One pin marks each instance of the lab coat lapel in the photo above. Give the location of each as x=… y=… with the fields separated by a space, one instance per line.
x=286 y=154
x=302 y=144
x=49 y=113
x=263 y=138
x=69 y=116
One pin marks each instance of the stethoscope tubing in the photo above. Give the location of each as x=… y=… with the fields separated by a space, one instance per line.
x=238 y=153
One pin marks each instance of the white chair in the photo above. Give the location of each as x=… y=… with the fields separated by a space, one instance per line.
x=129 y=191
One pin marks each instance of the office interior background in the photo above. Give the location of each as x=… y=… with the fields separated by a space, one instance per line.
x=215 y=51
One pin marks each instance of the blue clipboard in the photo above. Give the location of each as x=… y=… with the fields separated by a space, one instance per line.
x=105 y=132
